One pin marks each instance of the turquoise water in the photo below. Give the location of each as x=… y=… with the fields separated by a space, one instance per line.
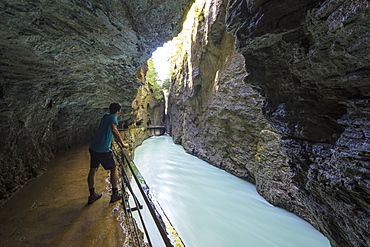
x=212 y=208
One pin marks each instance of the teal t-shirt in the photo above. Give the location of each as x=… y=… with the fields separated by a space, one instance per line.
x=103 y=137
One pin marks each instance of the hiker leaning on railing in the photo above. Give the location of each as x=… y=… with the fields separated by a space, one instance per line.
x=100 y=152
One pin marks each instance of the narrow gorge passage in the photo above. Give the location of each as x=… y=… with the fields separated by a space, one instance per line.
x=273 y=92
x=211 y=208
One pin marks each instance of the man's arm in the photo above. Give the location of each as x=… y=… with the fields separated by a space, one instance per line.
x=117 y=136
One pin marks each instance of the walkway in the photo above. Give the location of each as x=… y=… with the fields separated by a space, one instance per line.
x=51 y=210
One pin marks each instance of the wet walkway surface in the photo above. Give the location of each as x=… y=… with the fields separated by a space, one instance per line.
x=52 y=209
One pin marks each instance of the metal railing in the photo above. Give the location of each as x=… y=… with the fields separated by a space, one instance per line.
x=168 y=233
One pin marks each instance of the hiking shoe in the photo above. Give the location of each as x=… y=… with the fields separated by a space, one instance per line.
x=94 y=197
x=115 y=197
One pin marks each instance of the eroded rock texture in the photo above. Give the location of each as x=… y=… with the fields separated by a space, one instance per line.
x=216 y=116
x=310 y=62
x=61 y=64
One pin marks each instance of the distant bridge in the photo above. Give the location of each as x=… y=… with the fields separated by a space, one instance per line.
x=156 y=130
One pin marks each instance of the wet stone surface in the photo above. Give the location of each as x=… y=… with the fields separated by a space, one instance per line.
x=52 y=209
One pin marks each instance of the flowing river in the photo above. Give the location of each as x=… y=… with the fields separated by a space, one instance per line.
x=212 y=208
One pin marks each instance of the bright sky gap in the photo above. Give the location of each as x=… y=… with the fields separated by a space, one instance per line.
x=161 y=60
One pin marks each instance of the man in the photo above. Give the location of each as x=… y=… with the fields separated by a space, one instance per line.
x=100 y=153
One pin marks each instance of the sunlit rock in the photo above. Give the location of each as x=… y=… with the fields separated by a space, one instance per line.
x=309 y=61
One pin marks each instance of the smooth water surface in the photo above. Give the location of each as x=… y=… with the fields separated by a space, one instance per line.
x=212 y=208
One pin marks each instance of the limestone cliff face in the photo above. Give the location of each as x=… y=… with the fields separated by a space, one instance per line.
x=148 y=110
x=218 y=117
x=61 y=64
x=305 y=142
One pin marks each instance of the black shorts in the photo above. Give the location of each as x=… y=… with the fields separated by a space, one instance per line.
x=106 y=159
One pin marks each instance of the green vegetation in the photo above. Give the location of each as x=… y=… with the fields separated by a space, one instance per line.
x=154 y=82
x=199 y=13
x=166 y=84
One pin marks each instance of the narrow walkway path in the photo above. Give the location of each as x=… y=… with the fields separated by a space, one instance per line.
x=52 y=209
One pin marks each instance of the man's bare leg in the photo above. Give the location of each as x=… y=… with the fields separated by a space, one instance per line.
x=114 y=181
x=91 y=177
x=114 y=177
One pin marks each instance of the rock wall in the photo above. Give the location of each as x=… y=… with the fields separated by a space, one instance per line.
x=218 y=117
x=148 y=110
x=305 y=142
x=61 y=65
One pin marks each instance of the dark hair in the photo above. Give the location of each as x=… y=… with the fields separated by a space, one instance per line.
x=114 y=108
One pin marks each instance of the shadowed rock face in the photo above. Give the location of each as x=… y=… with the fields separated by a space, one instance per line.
x=61 y=65
x=307 y=150
x=310 y=60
